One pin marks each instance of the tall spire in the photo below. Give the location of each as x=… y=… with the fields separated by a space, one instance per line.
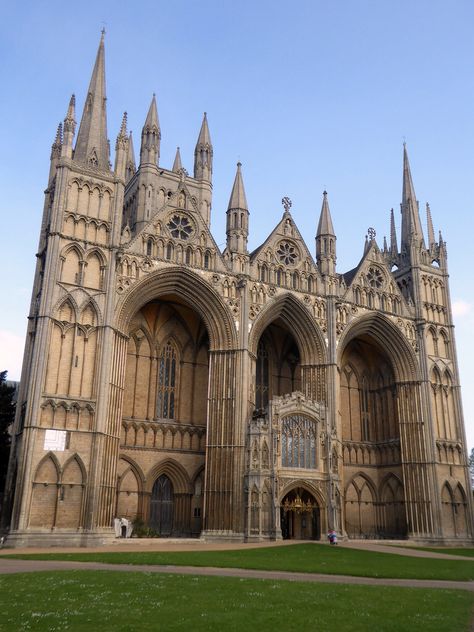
x=177 y=161
x=326 y=240
x=411 y=225
x=92 y=147
x=429 y=222
x=151 y=136
x=203 y=153
x=69 y=128
x=131 y=165
x=393 y=234
x=237 y=216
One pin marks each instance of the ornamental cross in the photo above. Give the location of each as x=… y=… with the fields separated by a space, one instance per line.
x=371 y=232
x=286 y=204
x=183 y=174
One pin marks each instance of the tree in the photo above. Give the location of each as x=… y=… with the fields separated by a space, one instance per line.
x=471 y=467
x=7 y=415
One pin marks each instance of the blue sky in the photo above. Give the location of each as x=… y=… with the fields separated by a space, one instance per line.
x=308 y=96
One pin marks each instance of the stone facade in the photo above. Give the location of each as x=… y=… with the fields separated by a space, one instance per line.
x=227 y=394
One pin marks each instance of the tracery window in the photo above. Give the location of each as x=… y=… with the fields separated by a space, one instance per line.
x=298 y=442
x=180 y=227
x=167 y=383
x=287 y=253
x=262 y=381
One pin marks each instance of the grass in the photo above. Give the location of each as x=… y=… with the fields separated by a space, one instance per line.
x=130 y=601
x=467 y=552
x=306 y=558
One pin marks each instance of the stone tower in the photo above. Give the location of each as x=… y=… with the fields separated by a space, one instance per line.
x=227 y=395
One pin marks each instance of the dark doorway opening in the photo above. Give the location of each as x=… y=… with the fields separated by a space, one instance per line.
x=300 y=516
x=161 y=506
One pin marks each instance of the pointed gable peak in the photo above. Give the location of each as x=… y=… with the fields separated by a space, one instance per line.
x=204 y=135
x=325 y=226
x=92 y=147
x=238 y=198
x=152 y=116
x=177 y=161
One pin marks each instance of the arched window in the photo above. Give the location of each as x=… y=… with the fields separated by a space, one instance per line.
x=188 y=256
x=278 y=276
x=295 y=279
x=149 y=246
x=169 y=251
x=262 y=381
x=298 y=442
x=167 y=383
x=310 y=284
x=206 y=260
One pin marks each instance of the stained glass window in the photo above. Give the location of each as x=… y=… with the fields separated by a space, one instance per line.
x=298 y=442
x=167 y=378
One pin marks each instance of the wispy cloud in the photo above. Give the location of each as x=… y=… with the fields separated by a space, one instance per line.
x=11 y=353
x=461 y=308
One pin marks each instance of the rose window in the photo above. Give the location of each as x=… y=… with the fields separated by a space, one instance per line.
x=287 y=253
x=375 y=278
x=180 y=227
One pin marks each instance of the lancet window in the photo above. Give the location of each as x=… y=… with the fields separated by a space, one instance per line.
x=167 y=383
x=298 y=442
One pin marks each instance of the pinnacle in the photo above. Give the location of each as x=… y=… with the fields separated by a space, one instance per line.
x=177 y=161
x=238 y=198
x=325 y=226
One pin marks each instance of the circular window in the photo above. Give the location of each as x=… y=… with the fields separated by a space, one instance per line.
x=287 y=253
x=375 y=277
x=180 y=226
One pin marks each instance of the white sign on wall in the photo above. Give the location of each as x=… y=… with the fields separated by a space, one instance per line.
x=55 y=440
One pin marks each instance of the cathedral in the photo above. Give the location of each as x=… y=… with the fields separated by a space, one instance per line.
x=228 y=395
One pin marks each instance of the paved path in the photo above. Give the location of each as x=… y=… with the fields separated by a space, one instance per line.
x=10 y=565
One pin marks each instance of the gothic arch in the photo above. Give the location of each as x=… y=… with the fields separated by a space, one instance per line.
x=174 y=471
x=382 y=330
x=133 y=465
x=197 y=294
x=304 y=484
x=307 y=334
x=67 y=301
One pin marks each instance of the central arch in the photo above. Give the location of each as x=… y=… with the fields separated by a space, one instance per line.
x=300 y=515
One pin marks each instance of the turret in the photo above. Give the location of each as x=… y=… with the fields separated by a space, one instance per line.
x=326 y=241
x=203 y=153
x=69 y=129
x=237 y=230
x=151 y=137
x=92 y=146
x=121 y=149
x=429 y=224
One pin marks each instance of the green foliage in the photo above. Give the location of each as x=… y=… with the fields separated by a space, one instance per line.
x=142 y=530
x=306 y=558
x=471 y=467
x=7 y=415
x=119 y=602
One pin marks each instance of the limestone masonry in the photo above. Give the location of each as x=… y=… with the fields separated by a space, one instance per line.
x=229 y=395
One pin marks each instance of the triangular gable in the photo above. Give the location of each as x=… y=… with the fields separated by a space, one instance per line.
x=275 y=253
x=180 y=222
x=373 y=276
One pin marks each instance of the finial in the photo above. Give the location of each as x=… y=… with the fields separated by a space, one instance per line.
x=183 y=174
x=286 y=204
x=325 y=193
x=102 y=34
x=239 y=164
x=371 y=233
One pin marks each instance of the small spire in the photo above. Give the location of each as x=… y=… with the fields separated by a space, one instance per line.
x=203 y=153
x=92 y=147
x=325 y=226
x=393 y=234
x=122 y=137
x=69 y=121
x=408 y=190
x=385 y=247
x=151 y=136
x=177 y=161
x=429 y=222
x=58 y=140
x=131 y=153
x=238 y=199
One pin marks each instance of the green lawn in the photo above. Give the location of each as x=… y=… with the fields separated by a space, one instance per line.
x=467 y=552
x=307 y=558
x=131 y=602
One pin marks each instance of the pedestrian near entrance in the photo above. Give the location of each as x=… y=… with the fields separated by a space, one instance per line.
x=332 y=537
